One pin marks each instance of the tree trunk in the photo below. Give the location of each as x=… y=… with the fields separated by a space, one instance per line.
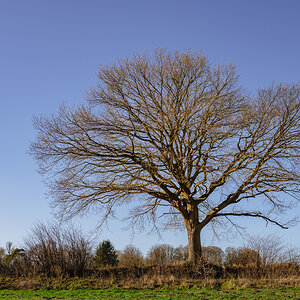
x=195 y=251
x=191 y=220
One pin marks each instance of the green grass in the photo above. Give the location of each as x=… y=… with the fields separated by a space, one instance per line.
x=161 y=293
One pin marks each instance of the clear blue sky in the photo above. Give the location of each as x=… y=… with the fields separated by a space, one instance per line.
x=50 y=52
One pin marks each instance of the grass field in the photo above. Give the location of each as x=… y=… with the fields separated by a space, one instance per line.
x=193 y=293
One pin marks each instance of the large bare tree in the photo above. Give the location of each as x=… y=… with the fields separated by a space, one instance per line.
x=178 y=137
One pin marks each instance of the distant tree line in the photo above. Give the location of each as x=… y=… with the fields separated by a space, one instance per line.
x=55 y=252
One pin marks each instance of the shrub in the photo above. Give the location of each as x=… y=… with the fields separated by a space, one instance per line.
x=241 y=256
x=55 y=251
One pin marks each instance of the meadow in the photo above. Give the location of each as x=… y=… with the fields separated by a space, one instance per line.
x=159 y=293
x=148 y=288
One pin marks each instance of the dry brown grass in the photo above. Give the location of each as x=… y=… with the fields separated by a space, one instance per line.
x=171 y=276
x=147 y=282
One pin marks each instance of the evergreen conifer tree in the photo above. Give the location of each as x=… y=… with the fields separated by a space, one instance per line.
x=106 y=254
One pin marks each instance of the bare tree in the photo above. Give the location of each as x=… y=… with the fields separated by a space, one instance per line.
x=269 y=248
x=213 y=254
x=291 y=255
x=161 y=254
x=131 y=256
x=181 y=138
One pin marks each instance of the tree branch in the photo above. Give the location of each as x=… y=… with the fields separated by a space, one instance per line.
x=251 y=214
